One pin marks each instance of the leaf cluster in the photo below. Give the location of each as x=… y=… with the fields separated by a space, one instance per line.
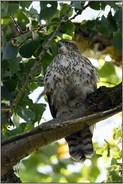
x=108 y=26
x=24 y=34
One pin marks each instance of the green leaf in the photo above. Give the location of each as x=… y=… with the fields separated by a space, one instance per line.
x=29 y=48
x=22 y=19
x=13 y=132
x=33 y=13
x=26 y=65
x=107 y=27
x=9 y=51
x=23 y=127
x=25 y=4
x=108 y=73
x=33 y=85
x=4 y=7
x=29 y=126
x=22 y=38
x=63 y=8
x=13 y=7
x=6 y=20
x=9 y=86
x=117 y=41
x=90 y=24
x=114 y=175
x=4 y=67
x=95 y=5
x=10 y=67
x=78 y=5
x=90 y=28
x=45 y=62
x=118 y=15
x=68 y=28
x=106 y=70
x=16 y=119
x=112 y=22
x=48 y=9
x=34 y=23
x=117 y=132
x=5 y=94
x=25 y=113
x=38 y=110
x=14 y=66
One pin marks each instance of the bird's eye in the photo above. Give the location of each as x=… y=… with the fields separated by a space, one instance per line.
x=67 y=43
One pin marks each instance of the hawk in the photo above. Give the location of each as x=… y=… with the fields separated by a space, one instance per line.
x=69 y=78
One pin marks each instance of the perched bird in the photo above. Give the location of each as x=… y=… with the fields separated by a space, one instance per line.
x=69 y=78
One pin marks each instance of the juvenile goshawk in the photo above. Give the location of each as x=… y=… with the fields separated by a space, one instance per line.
x=69 y=78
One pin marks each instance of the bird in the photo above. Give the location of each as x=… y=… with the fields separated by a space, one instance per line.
x=69 y=78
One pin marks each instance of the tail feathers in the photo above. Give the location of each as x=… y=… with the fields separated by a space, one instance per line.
x=80 y=144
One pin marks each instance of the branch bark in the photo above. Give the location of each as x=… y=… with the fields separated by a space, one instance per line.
x=104 y=101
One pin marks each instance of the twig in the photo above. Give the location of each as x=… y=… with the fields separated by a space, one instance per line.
x=6 y=110
x=108 y=148
x=78 y=12
x=18 y=28
x=41 y=94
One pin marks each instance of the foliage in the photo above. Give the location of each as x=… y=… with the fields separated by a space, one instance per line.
x=24 y=33
x=52 y=163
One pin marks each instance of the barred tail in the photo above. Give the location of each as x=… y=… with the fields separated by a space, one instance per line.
x=80 y=144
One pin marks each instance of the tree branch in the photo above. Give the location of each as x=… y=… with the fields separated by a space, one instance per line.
x=104 y=101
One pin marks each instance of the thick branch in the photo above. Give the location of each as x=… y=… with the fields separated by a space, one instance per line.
x=101 y=100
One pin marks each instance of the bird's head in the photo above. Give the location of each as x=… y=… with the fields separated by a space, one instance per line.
x=65 y=46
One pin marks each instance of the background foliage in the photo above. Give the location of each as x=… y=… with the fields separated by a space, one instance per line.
x=24 y=33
